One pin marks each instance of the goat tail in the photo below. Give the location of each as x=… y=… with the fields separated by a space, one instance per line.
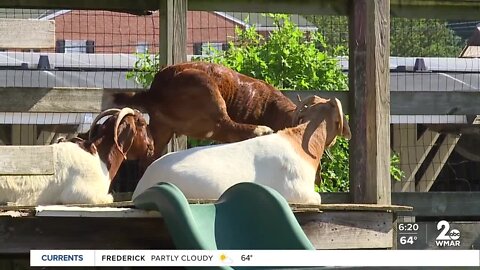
x=130 y=99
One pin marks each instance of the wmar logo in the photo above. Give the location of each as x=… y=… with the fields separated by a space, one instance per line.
x=447 y=237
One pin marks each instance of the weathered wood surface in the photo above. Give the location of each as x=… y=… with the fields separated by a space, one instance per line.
x=348 y=230
x=125 y=208
x=327 y=230
x=436 y=164
x=74 y=100
x=369 y=32
x=173 y=46
x=439 y=204
x=21 y=234
x=440 y=9
x=442 y=204
x=55 y=99
x=27 y=34
x=26 y=160
x=413 y=151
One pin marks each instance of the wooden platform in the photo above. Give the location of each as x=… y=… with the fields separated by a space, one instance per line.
x=120 y=226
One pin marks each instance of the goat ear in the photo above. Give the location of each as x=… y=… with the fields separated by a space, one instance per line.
x=91 y=148
x=126 y=134
x=346 y=133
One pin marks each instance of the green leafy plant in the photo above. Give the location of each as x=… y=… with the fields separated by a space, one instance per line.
x=144 y=69
x=288 y=59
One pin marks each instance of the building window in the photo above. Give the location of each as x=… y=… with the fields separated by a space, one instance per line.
x=142 y=47
x=207 y=48
x=75 y=46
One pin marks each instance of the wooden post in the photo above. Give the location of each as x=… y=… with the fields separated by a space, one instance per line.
x=369 y=79
x=173 y=46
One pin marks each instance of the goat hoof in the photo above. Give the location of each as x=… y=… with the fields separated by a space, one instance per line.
x=262 y=130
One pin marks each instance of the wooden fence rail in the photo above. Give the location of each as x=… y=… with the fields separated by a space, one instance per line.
x=57 y=99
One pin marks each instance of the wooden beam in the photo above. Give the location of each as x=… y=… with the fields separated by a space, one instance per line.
x=412 y=153
x=441 y=103
x=374 y=228
x=369 y=78
x=55 y=99
x=179 y=39
x=27 y=34
x=5 y=135
x=440 y=204
x=313 y=7
x=24 y=134
x=326 y=230
x=439 y=9
x=173 y=31
x=58 y=99
x=436 y=9
x=46 y=136
x=166 y=32
x=22 y=234
x=437 y=163
x=26 y=160
x=173 y=46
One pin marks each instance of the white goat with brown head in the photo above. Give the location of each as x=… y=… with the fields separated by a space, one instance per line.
x=286 y=161
x=84 y=168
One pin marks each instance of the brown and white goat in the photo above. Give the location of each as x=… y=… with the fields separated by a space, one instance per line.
x=209 y=101
x=84 y=168
x=286 y=161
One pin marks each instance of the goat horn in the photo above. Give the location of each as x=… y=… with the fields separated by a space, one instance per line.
x=100 y=116
x=340 y=114
x=124 y=112
x=298 y=98
x=308 y=101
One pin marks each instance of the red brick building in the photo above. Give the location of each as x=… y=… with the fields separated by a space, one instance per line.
x=112 y=32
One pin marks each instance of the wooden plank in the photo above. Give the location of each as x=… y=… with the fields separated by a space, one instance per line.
x=61 y=99
x=437 y=163
x=369 y=78
x=46 y=137
x=335 y=230
x=179 y=31
x=127 y=209
x=166 y=32
x=20 y=235
x=328 y=230
x=26 y=160
x=436 y=9
x=5 y=135
x=173 y=44
x=313 y=7
x=24 y=134
x=55 y=99
x=404 y=135
x=27 y=34
x=439 y=9
x=441 y=103
x=412 y=153
x=445 y=204
x=439 y=204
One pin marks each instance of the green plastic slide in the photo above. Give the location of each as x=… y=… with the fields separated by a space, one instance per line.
x=247 y=216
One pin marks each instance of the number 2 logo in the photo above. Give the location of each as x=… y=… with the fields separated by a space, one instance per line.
x=445 y=227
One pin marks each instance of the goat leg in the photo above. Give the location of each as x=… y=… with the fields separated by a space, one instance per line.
x=229 y=131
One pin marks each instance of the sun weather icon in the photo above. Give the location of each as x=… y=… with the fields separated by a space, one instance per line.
x=225 y=259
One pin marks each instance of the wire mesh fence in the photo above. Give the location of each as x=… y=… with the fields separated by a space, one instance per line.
x=98 y=49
